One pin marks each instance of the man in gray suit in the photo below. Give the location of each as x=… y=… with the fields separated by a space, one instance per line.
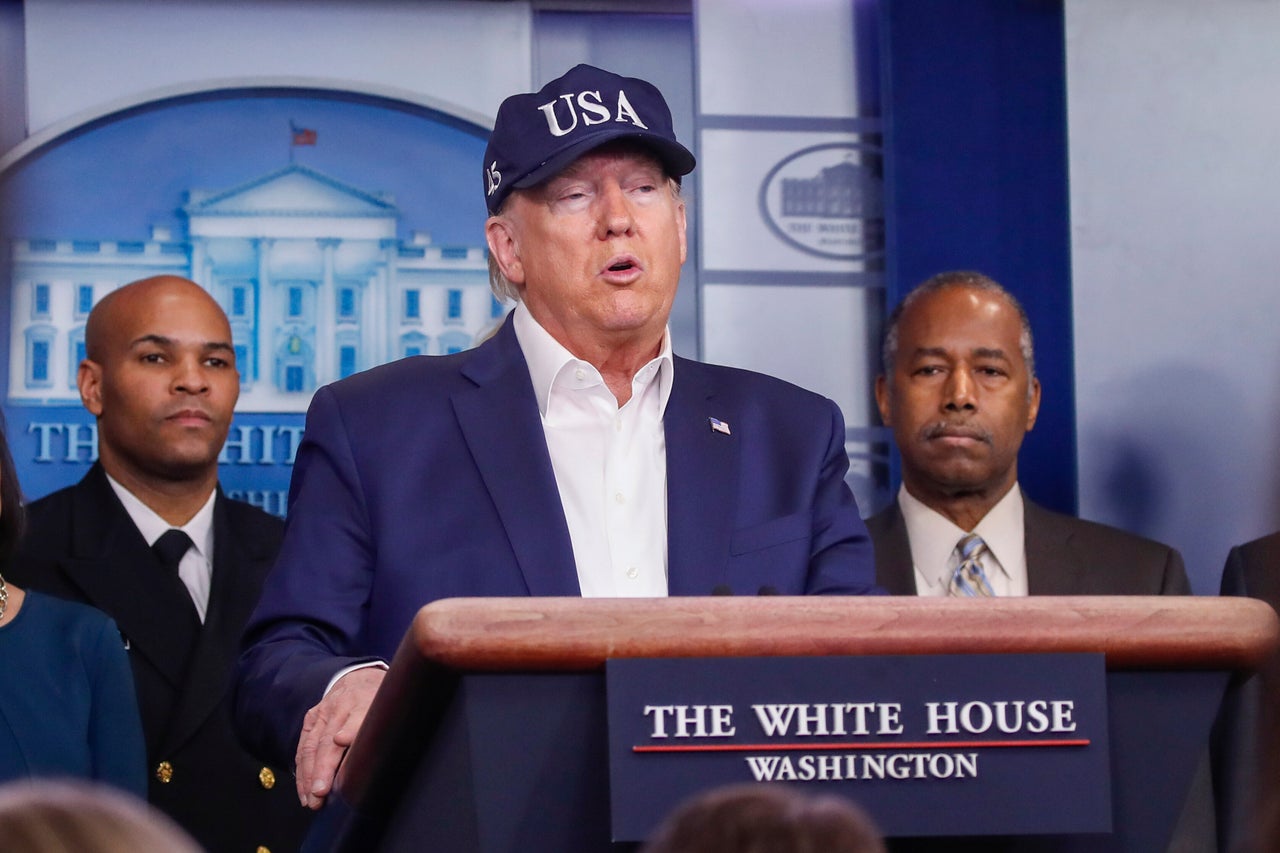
x=959 y=391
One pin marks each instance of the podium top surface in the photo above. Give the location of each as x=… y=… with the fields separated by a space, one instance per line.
x=576 y=634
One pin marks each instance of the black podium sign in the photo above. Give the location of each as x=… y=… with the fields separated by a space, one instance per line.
x=929 y=745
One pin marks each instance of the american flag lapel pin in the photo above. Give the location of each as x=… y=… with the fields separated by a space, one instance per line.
x=718 y=425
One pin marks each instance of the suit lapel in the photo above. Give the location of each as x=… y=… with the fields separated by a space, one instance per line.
x=112 y=564
x=231 y=598
x=895 y=570
x=702 y=480
x=1053 y=565
x=499 y=419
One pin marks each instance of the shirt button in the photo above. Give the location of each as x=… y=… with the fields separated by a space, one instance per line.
x=632 y=572
x=619 y=498
x=164 y=772
x=580 y=374
x=267 y=778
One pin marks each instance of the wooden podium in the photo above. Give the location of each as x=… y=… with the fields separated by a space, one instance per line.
x=488 y=733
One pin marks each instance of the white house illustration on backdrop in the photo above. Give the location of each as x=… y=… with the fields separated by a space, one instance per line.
x=309 y=270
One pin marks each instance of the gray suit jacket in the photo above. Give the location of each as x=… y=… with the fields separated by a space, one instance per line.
x=1070 y=556
x=1246 y=745
x=1065 y=556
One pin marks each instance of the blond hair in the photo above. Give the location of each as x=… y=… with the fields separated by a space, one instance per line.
x=45 y=816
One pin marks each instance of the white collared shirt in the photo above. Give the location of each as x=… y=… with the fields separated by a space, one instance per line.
x=196 y=567
x=933 y=538
x=610 y=463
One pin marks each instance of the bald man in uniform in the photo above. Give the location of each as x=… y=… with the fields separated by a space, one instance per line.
x=161 y=379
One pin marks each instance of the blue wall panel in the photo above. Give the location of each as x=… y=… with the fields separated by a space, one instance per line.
x=976 y=178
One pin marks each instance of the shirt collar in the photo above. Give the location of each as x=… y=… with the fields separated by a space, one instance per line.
x=152 y=526
x=933 y=536
x=547 y=358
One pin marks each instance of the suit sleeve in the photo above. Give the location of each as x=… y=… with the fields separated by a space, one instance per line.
x=1233 y=575
x=1175 y=576
x=841 y=560
x=115 y=727
x=1235 y=743
x=309 y=620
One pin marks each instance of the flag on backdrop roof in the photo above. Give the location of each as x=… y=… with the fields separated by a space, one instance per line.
x=302 y=135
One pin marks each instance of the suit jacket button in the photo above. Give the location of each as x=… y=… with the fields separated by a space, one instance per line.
x=164 y=772
x=268 y=780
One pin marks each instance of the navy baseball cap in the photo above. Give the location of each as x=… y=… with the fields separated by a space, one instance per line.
x=536 y=135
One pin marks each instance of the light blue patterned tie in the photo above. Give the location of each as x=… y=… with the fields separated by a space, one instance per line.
x=968 y=579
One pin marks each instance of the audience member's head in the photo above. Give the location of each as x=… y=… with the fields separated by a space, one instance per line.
x=65 y=817
x=762 y=818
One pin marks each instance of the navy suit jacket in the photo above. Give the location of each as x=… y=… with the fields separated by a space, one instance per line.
x=429 y=478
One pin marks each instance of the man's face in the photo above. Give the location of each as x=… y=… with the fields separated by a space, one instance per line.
x=596 y=250
x=164 y=383
x=959 y=399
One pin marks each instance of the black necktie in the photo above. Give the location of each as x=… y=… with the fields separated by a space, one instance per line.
x=170 y=547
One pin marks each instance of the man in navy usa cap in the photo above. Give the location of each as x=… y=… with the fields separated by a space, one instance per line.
x=570 y=454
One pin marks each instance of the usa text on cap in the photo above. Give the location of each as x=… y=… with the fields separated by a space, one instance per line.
x=536 y=135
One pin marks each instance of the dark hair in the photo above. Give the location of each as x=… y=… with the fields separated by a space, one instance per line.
x=959 y=278
x=766 y=818
x=13 y=515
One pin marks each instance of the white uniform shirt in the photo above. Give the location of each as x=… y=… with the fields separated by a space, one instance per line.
x=934 y=537
x=196 y=567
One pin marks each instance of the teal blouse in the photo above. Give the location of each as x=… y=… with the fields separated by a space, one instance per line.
x=67 y=705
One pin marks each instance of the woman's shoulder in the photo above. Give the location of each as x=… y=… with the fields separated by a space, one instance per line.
x=70 y=617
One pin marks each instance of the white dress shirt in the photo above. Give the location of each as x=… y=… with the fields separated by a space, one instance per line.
x=196 y=567
x=933 y=538
x=610 y=463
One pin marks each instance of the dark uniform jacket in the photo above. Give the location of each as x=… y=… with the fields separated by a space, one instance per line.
x=82 y=545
